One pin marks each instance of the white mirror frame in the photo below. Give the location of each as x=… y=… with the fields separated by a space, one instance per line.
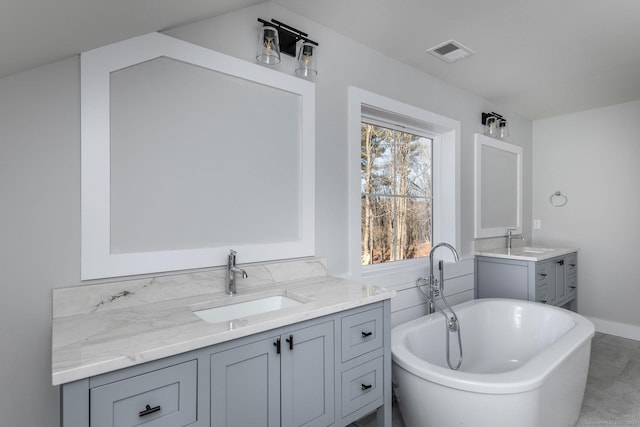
x=97 y=261
x=479 y=230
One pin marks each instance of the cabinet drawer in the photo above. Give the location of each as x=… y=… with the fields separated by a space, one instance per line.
x=543 y=270
x=543 y=294
x=361 y=385
x=361 y=333
x=572 y=285
x=571 y=263
x=162 y=398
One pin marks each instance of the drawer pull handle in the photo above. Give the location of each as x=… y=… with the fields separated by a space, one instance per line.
x=149 y=410
x=561 y=262
x=572 y=265
x=366 y=334
x=277 y=344
x=544 y=301
x=290 y=341
x=365 y=386
x=543 y=274
x=572 y=287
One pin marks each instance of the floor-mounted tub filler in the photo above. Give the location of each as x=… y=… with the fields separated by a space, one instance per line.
x=525 y=364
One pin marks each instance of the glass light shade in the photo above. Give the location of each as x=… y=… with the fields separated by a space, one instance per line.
x=268 y=46
x=307 y=61
x=491 y=126
x=503 y=129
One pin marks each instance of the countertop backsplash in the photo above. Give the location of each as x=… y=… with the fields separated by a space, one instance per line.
x=131 y=292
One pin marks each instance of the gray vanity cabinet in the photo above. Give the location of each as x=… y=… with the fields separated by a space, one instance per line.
x=285 y=380
x=551 y=281
x=328 y=371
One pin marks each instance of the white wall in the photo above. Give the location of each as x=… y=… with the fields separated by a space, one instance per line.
x=592 y=157
x=40 y=187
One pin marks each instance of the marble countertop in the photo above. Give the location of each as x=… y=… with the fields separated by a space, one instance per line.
x=526 y=253
x=100 y=339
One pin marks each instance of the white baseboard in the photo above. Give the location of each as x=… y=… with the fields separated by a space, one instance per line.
x=624 y=330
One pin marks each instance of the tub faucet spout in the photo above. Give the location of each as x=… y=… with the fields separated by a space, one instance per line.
x=433 y=282
x=232 y=270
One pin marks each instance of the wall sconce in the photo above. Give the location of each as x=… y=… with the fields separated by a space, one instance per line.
x=503 y=129
x=495 y=125
x=268 y=46
x=306 y=61
x=286 y=40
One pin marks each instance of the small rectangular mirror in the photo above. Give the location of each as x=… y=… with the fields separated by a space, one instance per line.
x=498 y=187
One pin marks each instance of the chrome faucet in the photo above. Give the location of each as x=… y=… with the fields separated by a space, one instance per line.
x=231 y=272
x=510 y=237
x=452 y=325
x=436 y=287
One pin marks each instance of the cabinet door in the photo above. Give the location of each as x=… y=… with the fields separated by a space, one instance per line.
x=245 y=386
x=308 y=368
x=561 y=278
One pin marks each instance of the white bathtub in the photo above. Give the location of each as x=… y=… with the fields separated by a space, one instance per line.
x=525 y=365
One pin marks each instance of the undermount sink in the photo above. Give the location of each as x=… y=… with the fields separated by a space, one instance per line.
x=265 y=304
x=529 y=250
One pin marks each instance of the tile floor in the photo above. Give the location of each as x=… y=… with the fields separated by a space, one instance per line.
x=612 y=396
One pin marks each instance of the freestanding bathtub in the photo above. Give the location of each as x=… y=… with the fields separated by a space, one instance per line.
x=525 y=364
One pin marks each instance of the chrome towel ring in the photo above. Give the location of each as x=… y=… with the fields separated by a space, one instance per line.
x=558 y=199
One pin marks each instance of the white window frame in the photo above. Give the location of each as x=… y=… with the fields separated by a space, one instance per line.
x=445 y=173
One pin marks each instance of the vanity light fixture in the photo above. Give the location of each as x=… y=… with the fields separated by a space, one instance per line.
x=287 y=39
x=495 y=125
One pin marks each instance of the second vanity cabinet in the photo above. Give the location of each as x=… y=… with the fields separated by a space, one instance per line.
x=328 y=371
x=549 y=281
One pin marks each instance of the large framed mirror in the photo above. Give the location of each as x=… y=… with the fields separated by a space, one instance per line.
x=187 y=153
x=498 y=187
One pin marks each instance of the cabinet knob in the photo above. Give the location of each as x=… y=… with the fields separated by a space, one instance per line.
x=365 y=386
x=366 y=334
x=149 y=410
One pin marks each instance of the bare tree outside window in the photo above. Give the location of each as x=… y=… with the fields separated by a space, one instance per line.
x=396 y=194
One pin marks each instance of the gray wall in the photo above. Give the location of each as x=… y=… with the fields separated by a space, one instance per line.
x=39 y=229
x=40 y=184
x=343 y=62
x=592 y=157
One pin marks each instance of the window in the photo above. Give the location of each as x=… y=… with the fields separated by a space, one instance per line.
x=409 y=207
x=396 y=193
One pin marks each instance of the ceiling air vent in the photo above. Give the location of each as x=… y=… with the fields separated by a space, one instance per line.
x=450 y=51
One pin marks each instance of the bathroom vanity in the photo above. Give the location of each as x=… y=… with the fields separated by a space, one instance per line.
x=546 y=275
x=323 y=362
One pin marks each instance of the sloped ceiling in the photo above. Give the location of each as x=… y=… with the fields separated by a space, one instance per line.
x=36 y=32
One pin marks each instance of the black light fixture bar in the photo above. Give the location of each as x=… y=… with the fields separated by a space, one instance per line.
x=485 y=116
x=288 y=36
